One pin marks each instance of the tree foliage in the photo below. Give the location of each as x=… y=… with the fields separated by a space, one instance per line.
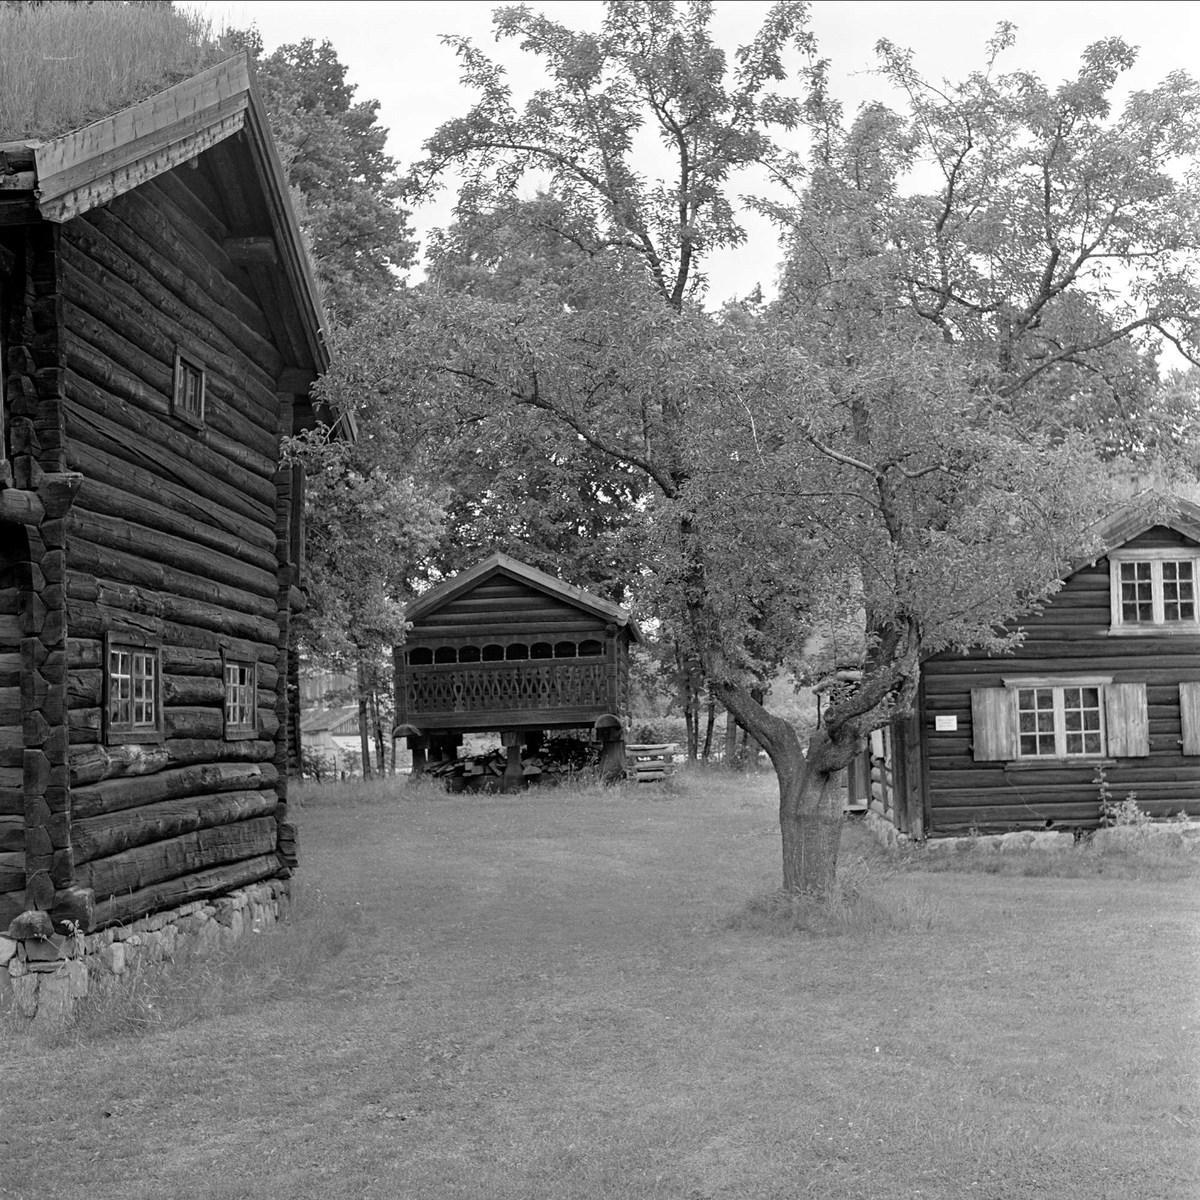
x=333 y=149
x=891 y=460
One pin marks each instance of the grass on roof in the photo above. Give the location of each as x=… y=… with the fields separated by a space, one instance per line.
x=63 y=66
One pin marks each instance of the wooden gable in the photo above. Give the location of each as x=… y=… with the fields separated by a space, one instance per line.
x=504 y=597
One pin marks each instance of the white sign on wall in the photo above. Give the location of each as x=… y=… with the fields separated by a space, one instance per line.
x=945 y=724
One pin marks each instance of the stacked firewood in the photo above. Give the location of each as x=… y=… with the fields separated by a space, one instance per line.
x=483 y=772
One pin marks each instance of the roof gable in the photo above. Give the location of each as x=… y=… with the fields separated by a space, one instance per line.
x=88 y=167
x=1127 y=523
x=503 y=564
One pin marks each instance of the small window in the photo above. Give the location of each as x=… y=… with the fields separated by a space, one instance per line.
x=541 y=650
x=590 y=649
x=468 y=654
x=133 y=684
x=1154 y=591
x=493 y=653
x=241 y=694
x=1039 y=720
x=564 y=650
x=445 y=654
x=517 y=652
x=422 y=656
x=187 y=403
x=1060 y=722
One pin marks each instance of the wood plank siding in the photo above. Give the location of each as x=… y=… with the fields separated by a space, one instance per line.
x=508 y=653
x=173 y=537
x=1070 y=637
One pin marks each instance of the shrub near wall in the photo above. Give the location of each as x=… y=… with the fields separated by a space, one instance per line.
x=43 y=974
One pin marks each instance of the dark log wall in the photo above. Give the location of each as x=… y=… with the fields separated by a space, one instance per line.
x=33 y=757
x=174 y=534
x=505 y=611
x=1071 y=636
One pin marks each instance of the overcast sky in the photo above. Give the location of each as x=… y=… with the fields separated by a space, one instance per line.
x=394 y=55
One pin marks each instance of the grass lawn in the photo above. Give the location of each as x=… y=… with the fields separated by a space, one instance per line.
x=571 y=995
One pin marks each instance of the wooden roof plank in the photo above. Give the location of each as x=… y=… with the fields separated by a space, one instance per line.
x=504 y=564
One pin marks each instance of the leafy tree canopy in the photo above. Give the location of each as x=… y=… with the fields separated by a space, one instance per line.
x=334 y=153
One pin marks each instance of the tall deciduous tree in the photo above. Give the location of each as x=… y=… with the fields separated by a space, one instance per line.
x=854 y=462
x=333 y=149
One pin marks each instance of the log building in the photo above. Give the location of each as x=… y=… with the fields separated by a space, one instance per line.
x=506 y=647
x=1107 y=680
x=159 y=331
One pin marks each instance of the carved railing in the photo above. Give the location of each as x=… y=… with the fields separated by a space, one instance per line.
x=506 y=687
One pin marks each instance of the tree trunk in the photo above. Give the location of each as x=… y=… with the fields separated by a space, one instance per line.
x=708 y=728
x=364 y=731
x=731 y=731
x=377 y=725
x=810 y=798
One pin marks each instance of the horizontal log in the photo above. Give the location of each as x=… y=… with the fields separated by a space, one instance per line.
x=145 y=346
x=12 y=799
x=225 y=528
x=529 y=630
x=204 y=287
x=182 y=721
x=131 y=870
x=114 y=833
x=12 y=834
x=215 y=627
x=194 y=571
x=158 y=328
x=104 y=423
x=115 y=795
x=12 y=872
x=188 y=199
x=162 y=278
x=214 y=881
x=21 y=507
x=10 y=632
x=117 y=502
x=89 y=764
x=111 y=390
x=88 y=653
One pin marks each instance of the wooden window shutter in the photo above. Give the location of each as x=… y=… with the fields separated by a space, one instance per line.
x=993 y=724
x=1189 y=715
x=1128 y=723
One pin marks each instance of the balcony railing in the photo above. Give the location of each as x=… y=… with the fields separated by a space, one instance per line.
x=506 y=687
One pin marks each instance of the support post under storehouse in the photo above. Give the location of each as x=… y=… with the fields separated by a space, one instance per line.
x=504 y=647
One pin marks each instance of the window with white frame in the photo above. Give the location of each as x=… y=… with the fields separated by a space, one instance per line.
x=241 y=718
x=1069 y=719
x=1060 y=722
x=133 y=705
x=1154 y=590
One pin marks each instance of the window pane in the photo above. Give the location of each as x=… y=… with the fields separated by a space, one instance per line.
x=1137 y=592
x=1179 y=595
x=1035 y=718
x=132 y=690
x=1081 y=712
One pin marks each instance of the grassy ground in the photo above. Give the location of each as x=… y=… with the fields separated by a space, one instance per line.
x=585 y=994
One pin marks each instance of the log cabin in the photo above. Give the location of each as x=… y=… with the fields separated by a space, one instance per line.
x=1104 y=686
x=506 y=647
x=160 y=328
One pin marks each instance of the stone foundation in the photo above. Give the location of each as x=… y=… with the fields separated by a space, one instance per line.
x=41 y=977
x=1165 y=835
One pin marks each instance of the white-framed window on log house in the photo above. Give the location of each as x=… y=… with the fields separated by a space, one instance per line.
x=241 y=707
x=1038 y=720
x=1154 y=591
x=133 y=690
x=187 y=400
